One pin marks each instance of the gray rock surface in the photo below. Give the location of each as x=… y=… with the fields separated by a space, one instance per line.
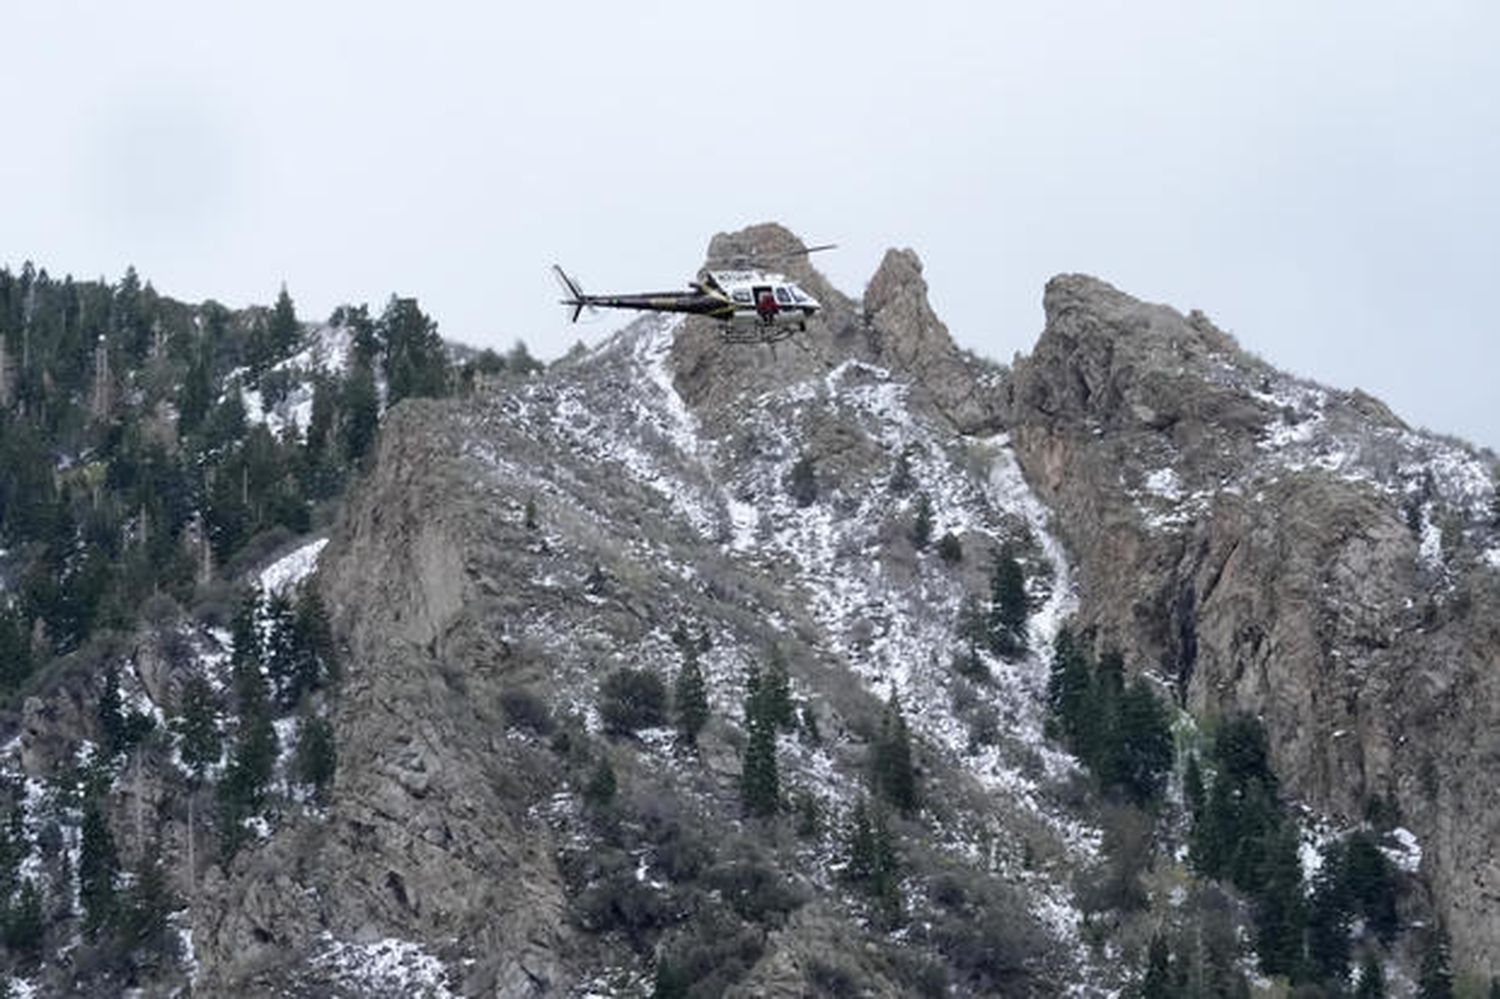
x=1273 y=546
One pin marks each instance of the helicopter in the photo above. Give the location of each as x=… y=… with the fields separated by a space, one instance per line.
x=752 y=304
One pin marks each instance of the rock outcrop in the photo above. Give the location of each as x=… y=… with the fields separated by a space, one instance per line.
x=1272 y=546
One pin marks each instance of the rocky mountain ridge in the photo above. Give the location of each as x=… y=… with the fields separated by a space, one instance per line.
x=1250 y=541
x=1275 y=546
x=1248 y=538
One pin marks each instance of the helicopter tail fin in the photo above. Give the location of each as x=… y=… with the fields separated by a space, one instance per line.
x=576 y=299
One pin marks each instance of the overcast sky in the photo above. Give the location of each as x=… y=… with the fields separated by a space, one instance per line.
x=1320 y=178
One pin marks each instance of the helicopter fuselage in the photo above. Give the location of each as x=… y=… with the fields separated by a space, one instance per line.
x=751 y=305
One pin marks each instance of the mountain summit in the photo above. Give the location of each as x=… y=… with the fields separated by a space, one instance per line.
x=856 y=665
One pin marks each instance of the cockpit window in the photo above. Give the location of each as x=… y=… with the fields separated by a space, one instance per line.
x=783 y=296
x=797 y=293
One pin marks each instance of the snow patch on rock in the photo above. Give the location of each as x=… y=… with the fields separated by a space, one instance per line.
x=290 y=570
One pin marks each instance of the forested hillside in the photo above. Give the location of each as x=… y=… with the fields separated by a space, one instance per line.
x=154 y=457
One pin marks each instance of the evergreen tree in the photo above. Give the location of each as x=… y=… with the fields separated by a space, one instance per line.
x=1435 y=978
x=312 y=645
x=902 y=481
x=284 y=329
x=1192 y=788
x=1009 y=607
x=775 y=694
x=690 y=697
x=1329 y=917
x=1372 y=886
x=25 y=926
x=950 y=549
x=15 y=646
x=279 y=652
x=145 y=929
x=361 y=407
x=895 y=777
x=871 y=862
x=859 y=863
x=921 y=525
x=601 y=786
x=1068 y=689
x=317 y=756
x=802 y=482
x=1279 y=908
x=196 y=396
x=244 y=629
x=1371 y=983
x=1158 y=982
x=416 y=363
x=110 y=712
x=760 y=783
x=252 y=759
x=197 y=726
x=1142 y=753
x=98 y=869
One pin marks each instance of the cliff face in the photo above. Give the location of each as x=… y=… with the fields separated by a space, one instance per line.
x=509 y=552
x=1274 y=546
x=1257 y=542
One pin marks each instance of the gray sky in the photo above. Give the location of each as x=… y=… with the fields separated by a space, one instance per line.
x=1320 y=178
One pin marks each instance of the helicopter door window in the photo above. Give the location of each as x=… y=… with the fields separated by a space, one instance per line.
x=765 y=302
x=742 y=297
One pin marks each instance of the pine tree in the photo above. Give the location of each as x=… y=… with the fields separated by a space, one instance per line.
x=1009 y=607
x=690 y=697
x=244 y=629
x=416 y=364
x=98 y=869
x=110 y=712
x=361 y=405
x=314 y=662
x=895 y=777
x=317 y=756
x=775 y=694
x=1372 y=886
x=25 y=926
x=1142 y=750
x=1068 y=690
x=859 y=862
x=1279 y=909
x=921 y=525
x=195 y=398
x=197 y=726
x=1371 y=983
x=760 y=783
x=279 y=648
x=284 y=329
x=1192 y=788
x=1329 y=917
x=950 y=549
x=871 y=862
x=902 y=481
x=1157 y=982
x=1435 y=979
x=601 y=786
x=144 y=926
x=802 y=482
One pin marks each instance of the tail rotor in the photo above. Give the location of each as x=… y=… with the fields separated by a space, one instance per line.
x=576 y=300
